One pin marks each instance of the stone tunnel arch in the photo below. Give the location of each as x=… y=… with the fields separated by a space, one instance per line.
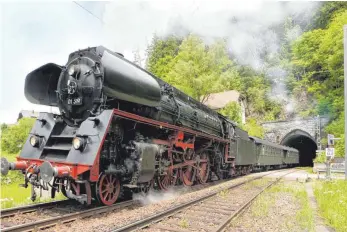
x=304 y=142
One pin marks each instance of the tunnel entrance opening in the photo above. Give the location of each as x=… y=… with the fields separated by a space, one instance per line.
x=304 y=143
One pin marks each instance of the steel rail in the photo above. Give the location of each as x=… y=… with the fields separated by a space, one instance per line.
x=68 y=217
x=9 y=212
x=31 y=208
x=169 y=212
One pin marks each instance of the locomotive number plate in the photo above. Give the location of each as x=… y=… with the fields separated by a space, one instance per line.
x=74 y=101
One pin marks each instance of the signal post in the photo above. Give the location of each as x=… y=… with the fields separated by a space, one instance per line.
x=330 y=154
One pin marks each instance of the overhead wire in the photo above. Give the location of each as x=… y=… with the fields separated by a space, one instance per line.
x=89 y=12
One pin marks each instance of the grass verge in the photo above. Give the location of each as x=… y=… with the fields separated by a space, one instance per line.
x=12 y=195
x=331 y=197
x=304 y=215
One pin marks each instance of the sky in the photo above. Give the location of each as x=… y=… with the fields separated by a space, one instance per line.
x=34 y=33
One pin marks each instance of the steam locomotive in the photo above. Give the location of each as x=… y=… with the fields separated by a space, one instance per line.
x=123 y=130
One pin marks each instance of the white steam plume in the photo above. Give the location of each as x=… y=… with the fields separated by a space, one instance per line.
x=248 y=27
x=156 y=196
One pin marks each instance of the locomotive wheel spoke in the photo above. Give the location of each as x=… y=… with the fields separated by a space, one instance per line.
x=204 y=169
x=188 y=172
x=164 y=181
x=188 y=175
x=168 y=180
x=174 y=176
x=108 y=189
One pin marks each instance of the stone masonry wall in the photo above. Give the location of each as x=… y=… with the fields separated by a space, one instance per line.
x=275 y=131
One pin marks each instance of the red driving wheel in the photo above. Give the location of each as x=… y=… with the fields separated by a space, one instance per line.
x=168 y=180
x=204 y=169
x=188 y=175
x=108 y=189
x=164 y=181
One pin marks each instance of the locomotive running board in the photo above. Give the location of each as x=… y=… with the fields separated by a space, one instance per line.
x=134 y=117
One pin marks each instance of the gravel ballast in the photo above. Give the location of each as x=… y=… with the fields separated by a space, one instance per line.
x=152 y=204
x=282 y=208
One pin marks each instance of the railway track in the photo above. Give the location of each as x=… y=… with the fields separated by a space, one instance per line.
x=207 y=213
x=10 y=212
x=65 y=211
x=56 y=215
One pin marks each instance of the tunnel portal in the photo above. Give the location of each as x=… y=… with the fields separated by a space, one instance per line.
x=304 y=142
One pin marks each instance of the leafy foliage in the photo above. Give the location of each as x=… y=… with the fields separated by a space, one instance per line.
x=232 y=111
x=259 y=105
x=3 y=126
x=199 y=70
x=320 y=158
x=326 y=12
x=253 y=128
x=160 y=55
x=318 y=62
x=14 y=136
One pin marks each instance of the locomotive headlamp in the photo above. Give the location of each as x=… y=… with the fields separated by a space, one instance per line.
x=78 y=143
x=34 y=141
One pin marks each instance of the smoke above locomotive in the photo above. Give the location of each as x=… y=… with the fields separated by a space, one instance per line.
x=90 y=77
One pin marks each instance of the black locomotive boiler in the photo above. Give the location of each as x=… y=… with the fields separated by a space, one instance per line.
x=121 y=130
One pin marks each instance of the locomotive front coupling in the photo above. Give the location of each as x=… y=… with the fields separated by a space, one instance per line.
x=46 y=170
x=6 y=166
x=35 y=174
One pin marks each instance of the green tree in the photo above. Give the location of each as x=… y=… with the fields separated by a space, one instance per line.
x=328 y=9
x=253 y=128
x=318 y=62
x=256 y=89
x=199 y=70
x=336 y=127
x=160 y=55
x=232 y=111
x=4 y=126
x=14 y=137
x=318 y=57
